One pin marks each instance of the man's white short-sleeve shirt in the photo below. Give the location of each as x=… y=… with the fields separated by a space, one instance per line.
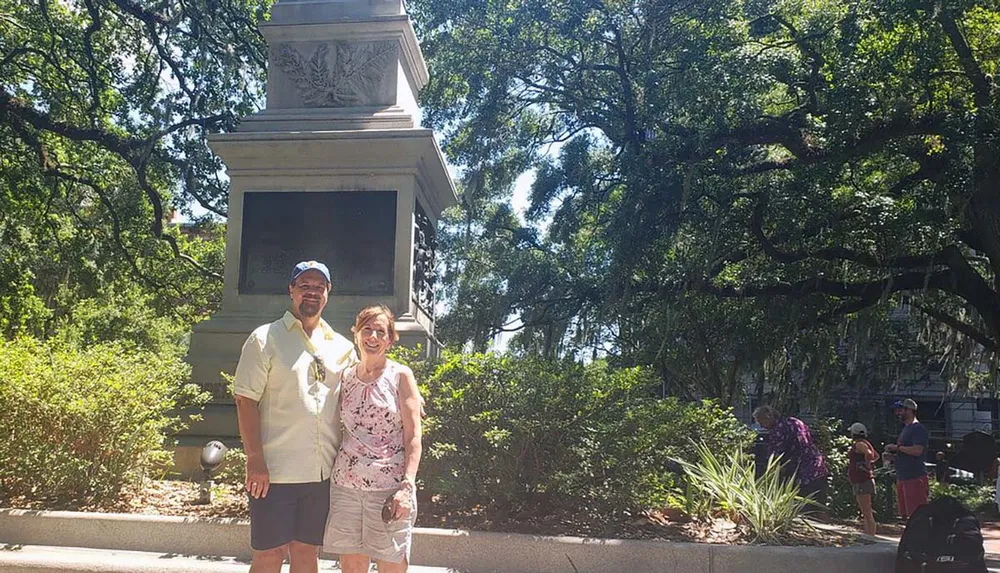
x=299 y=413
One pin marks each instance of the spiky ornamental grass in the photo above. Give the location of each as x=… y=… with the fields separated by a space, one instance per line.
x=768 y=507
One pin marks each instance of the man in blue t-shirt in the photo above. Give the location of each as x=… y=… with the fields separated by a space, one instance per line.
x=912 y=489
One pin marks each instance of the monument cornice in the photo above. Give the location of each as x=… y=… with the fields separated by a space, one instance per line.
x=327 y=119
x=309 y=153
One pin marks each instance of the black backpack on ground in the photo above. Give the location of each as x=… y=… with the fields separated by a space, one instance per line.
x=941 y=537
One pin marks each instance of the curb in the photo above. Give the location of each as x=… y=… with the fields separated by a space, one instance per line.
x=35 y=559
x=467 y=551
x=129 y=532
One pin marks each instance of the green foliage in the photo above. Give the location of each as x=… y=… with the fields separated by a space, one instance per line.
x=767 y=506
x=105 y=109
x=78 y=290
x=79 y=424
x=804 y=161
x=21 y=310
x=128 y=317
x=525 y=434
x=413 y=357
x=884 y=502
x=977 y=498
x=829 y=437
x=234 y=468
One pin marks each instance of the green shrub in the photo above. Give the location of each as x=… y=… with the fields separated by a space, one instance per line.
x=22 y=310
x=80 y=424
x=834 y=445
x=125 y=317
x=517 y=434
x=884 y=503
x=234 y=468
x=978 y=498
x=768 y=507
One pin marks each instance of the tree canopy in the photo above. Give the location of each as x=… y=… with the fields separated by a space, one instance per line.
x=722 y=189
x=104 y=110
x=807 y=161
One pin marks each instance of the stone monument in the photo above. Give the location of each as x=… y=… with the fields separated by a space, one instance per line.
x=334 y=169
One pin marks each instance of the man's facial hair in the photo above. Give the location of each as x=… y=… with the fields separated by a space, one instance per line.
x=309 y=308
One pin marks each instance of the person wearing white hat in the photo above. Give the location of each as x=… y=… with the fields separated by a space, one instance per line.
x=861 y=474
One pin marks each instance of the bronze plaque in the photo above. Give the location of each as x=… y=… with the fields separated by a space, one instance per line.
x=353 y=232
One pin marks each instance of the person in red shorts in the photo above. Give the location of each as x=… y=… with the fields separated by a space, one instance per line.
x=912 y=489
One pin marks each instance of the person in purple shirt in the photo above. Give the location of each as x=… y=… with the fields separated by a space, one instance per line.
x=791 y=439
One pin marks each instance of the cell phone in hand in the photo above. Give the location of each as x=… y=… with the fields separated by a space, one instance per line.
x=387 y=516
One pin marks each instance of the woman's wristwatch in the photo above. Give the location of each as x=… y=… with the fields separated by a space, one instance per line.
x=408 y=485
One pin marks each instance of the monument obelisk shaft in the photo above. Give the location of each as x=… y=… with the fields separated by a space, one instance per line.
x=334 y=169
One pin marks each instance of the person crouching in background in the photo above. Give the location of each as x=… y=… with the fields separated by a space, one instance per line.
x=791 y=439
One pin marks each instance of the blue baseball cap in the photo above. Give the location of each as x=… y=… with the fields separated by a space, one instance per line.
x=309 y=266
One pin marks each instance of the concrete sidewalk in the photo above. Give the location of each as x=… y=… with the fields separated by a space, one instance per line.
x=41 y=559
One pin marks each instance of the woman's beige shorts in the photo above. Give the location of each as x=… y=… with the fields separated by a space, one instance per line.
x=864 y=488
x=355 y=526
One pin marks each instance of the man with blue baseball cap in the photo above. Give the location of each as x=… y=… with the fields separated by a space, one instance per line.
x=286 y=392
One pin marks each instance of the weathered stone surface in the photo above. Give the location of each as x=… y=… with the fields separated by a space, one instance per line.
x=353 y=232
x=338 y=74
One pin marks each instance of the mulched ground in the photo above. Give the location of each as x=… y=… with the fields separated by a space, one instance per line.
x=171 y=497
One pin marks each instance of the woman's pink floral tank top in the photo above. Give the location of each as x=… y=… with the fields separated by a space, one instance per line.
x=371 y=455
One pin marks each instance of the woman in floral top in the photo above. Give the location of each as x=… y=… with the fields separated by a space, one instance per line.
x=790 y=438
x=377 y=462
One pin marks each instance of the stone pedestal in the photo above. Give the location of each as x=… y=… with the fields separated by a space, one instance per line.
x=334 y=169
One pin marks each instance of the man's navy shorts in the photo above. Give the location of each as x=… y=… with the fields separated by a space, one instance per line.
x=289 y=512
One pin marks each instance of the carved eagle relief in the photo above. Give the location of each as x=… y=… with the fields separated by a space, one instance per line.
x=358 y=71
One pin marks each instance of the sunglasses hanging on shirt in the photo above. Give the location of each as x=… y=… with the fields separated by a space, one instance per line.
x=318 y=369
